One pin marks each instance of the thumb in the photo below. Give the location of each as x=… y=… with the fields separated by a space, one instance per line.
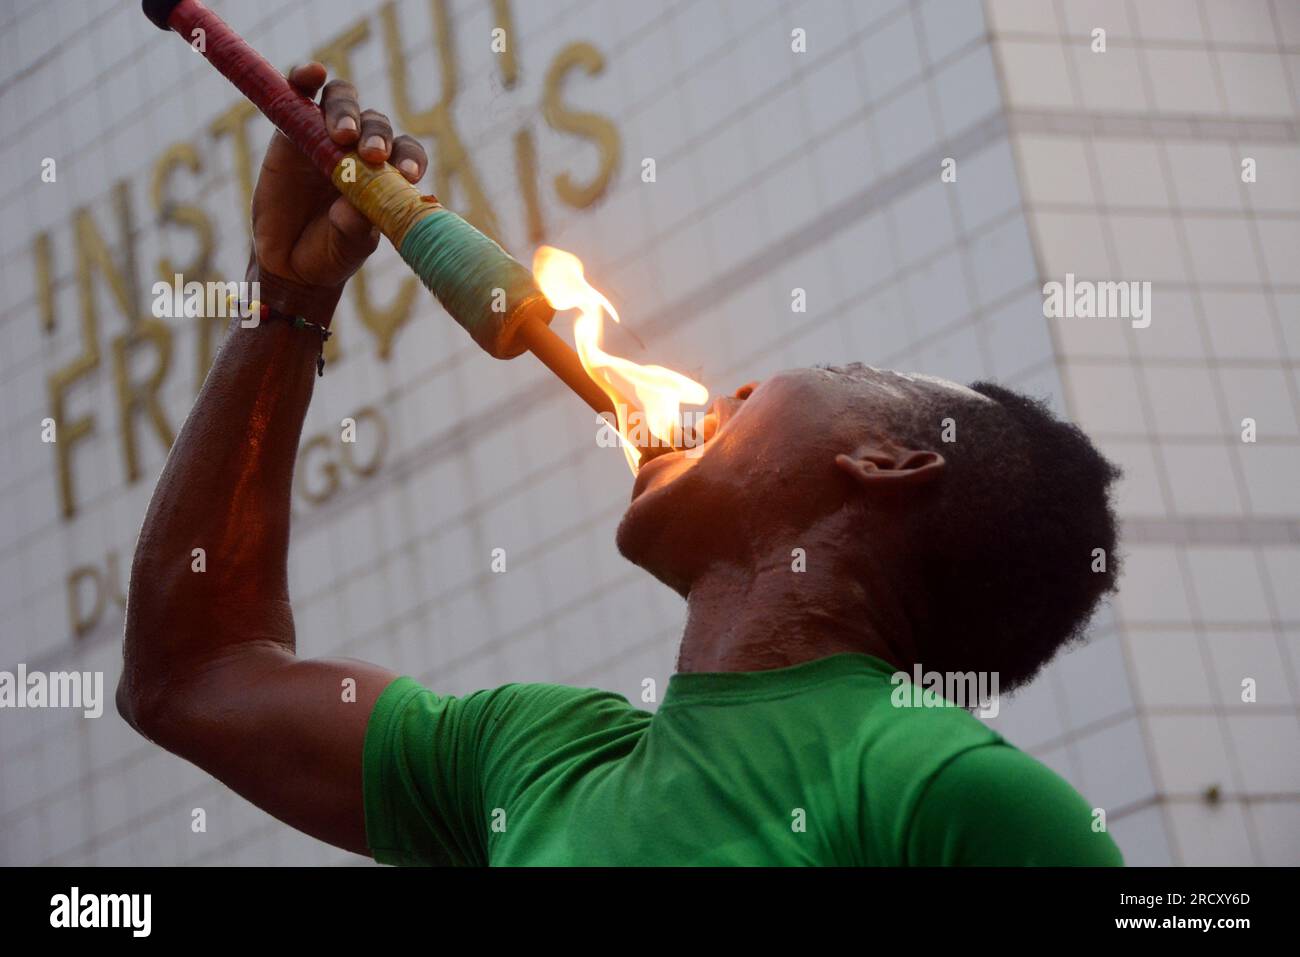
x=352 y=236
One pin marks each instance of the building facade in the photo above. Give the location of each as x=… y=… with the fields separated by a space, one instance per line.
x=919 y=169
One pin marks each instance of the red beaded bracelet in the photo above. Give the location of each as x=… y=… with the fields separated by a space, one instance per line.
x=298 y=322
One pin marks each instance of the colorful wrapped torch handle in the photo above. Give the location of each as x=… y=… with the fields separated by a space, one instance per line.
x=467 y=272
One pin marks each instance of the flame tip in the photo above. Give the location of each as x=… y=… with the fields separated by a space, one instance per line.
x=657 y=392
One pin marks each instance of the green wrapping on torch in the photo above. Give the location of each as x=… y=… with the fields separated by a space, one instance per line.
x=470 y=275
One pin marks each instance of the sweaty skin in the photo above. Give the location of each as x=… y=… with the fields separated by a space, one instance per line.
x=210 y=669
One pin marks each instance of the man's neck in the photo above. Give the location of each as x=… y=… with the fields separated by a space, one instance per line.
x=770 y=615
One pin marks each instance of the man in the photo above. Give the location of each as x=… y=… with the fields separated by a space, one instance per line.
x=825 y=536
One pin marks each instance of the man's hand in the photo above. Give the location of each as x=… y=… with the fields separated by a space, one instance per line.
x=304 y=233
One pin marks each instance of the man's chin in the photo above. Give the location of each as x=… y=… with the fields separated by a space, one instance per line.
x=643 y=542
x=648 y=523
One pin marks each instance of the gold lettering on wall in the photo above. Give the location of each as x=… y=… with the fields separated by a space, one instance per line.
x=318 y=494
x=92 y=256
x=337 y=54
x=450 y=160
x=105 y=585
x=307 y=476
x=234 y=123
x=83 y=620
x=133 y=397
x=592 y=126
x=368 y=413
x=194 y=218
x=43 y=250
x=384 y=322
x=503 y=18
x=526 y=170
x=105 y=258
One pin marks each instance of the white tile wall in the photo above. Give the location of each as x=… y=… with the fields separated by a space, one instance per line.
x=833 y=154
x=1131 y=164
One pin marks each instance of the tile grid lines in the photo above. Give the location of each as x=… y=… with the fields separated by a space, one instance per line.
x=980 y=314
x=1043 y=747
x=1053 y=675
x=1252 y=826
x=968 y=143
x=490 y=646
x=1284 y=54
x=1180 y=554
x=783 y=161
x=1116 y=814
x=1119 y=813
x=531 y=627
x=634 y=108
x=1196 y=127
x=1069 y=742
x=1063 y=372
x=1290 y=661
x=146 y=108
x=801 y=91
x=431 y=678
x=184 y=799
x=910 y=347
x=1177 y=440
x=888 y=214
x=455 y=441
x=490 y=135
x=1148 y=414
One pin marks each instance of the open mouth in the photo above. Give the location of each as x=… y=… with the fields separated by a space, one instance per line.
x=691 y=440
x=694 y=442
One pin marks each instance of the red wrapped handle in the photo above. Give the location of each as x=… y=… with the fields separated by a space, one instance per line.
x=293 y=114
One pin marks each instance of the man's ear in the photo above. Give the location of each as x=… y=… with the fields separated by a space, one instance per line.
x=886 y=465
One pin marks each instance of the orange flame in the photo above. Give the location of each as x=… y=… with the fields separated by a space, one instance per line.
x=651 y=394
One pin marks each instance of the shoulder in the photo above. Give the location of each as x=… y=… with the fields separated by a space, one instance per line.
x=515 y=720
x=995 y=805
x=517 y=706
x=904 y=745
x=537 y=706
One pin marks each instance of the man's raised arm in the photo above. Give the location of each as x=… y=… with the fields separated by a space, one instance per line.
x=209 y=666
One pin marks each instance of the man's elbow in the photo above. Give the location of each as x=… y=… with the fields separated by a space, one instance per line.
x=139 y=697
x=137 y=707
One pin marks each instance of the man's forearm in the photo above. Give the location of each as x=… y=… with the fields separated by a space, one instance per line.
x=225 y=489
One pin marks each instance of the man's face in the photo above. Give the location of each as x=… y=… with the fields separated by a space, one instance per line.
x=766 y=470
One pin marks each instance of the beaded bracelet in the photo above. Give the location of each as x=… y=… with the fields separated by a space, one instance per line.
x=298 y=322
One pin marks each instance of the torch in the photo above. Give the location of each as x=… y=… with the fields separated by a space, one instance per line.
x=493 y=297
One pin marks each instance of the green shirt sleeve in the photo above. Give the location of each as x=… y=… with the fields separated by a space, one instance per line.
x=994 y=805
x=436 y=767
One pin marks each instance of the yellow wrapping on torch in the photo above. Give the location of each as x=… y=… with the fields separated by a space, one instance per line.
x=382 y=194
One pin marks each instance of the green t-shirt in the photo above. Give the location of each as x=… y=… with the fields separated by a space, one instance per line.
x=813 y=764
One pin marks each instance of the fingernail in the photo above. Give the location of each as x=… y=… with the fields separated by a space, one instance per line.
x=375 y=142
x=346 y=123
x=409 y=167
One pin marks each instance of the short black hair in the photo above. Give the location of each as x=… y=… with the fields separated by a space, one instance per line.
x=1005 y=552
